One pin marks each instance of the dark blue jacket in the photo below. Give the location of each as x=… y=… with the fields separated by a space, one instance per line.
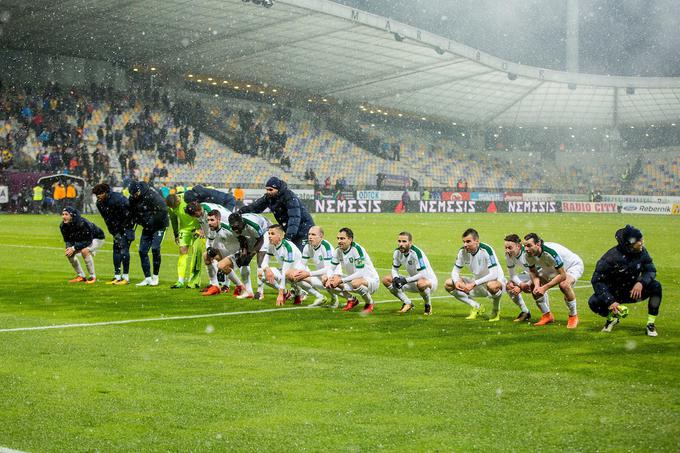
x=115 y=210
x=148 y=209
x=618 y=270
x=79 y=232
x=288 y=211
x=205 y=195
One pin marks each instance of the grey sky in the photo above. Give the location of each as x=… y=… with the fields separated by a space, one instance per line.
x=621 y=37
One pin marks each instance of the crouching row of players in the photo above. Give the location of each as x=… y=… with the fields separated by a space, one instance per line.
x=625 y=274
x=347 y=271
x=232 y=244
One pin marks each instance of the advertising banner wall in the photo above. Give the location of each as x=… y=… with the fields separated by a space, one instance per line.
x=353 y=206
x=449 y=196
x=368 y=195
x=486 y=196
x=474 y=206
x=394 y=195
x=641 y=199
x=587 y=207
x=539 y=197
x=452 y=206
x=531 y=206
x=513 y=196
x=646 y=208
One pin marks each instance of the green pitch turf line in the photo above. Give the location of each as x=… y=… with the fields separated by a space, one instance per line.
x=205 y=315
x=177 y=318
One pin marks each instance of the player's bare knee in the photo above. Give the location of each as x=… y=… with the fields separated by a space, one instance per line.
x=449 y=285
x=494 y=286
x=423 y=284
x=387 y=280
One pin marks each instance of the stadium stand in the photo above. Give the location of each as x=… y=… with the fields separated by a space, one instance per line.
x=660 y=173
x=431 y=158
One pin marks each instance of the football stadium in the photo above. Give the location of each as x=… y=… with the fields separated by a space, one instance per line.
x=314 y=225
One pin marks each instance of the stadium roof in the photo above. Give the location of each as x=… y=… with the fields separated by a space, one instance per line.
x=321 y=47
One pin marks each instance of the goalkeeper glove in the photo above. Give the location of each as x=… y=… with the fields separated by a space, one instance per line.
x=398 y=282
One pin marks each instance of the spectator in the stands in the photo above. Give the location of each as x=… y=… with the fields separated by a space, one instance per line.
x=109 y=139
x=405 y=200
x=285 y=163
x=191 y=156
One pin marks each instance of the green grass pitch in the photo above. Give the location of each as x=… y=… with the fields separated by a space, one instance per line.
x=298 y=379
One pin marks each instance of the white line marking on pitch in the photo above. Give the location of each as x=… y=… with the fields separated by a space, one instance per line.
x=177 y=318
x=9 y=450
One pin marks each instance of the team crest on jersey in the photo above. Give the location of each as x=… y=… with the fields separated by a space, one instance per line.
x=351 y=260
x=410 y=262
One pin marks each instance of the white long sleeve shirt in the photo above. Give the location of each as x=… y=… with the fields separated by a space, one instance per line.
x=483 y=264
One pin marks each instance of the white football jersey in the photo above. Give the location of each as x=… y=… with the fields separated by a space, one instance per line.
x=286 y=253
x=517 y=265
x=256 y=227
x=223 y=240
x=353 y=261
x=483 y=264
x=203 y=220
x=320 y=257
x=415 y=262
x=554 y=256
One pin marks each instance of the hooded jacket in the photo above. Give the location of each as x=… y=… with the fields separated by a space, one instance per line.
x=115 y=210
x=79 y=232
x=620 y=268
x=148 y=209
x=205 y=195
x=287 y=209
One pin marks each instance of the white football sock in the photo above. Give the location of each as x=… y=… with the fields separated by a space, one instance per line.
x=75 y=263
x=519 y=301
x=463 y=297
x=571 y=305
